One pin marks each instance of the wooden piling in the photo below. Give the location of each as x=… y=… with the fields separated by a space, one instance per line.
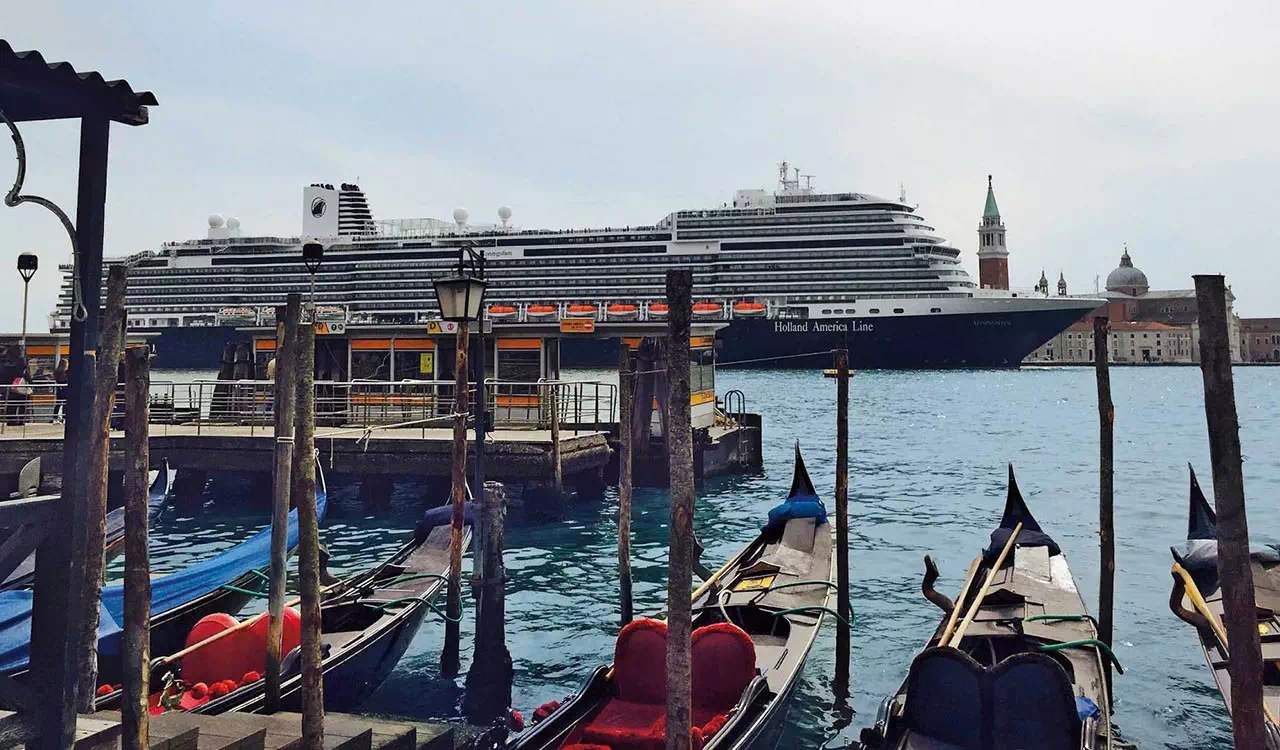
x=842 y=522
x=557 y=468
x=626 y=393
x=488 y=688
x=304 y=496
x=106 y=373
x=285 y=403
x=1234 y=568
x=450 y=658
x=137 y=563
x=679 y=435
x=1106 y=487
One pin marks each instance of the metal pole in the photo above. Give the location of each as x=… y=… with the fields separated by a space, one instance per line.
x=1234 y=567
x=26 y=287
x=1106 y=489
x=679 y=435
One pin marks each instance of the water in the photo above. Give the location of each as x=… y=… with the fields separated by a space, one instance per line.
x=927 y=475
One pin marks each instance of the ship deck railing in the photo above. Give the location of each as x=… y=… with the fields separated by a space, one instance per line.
x=578 y=405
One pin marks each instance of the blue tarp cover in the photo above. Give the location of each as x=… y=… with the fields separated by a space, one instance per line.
x=800 y=506
x=168 y=592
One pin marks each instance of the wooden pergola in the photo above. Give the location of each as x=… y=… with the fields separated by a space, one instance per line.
x=31 y=90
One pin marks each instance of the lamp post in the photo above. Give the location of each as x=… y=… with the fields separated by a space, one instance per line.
x=460 y=297
x=312 y=255
x=27 y=265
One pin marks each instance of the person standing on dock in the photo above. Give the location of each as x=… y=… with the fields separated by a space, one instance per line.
x=60 y=388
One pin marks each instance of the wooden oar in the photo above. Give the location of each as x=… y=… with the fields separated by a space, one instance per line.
x=241 y=626
x=1197 y=600
x=982 y=592
x=964 y=593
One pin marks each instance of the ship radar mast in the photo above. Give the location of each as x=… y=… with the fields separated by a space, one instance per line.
x=789 y=180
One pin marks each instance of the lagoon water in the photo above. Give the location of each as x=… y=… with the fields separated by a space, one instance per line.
x=927 y=475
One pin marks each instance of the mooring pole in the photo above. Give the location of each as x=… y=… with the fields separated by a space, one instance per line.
x=1106 y=488
x=1234 y=568
x=842 y=522
x=488 y=689
x=106 y=373
x=557 y=469
x=679 y=434
x=478 y=415
x=450 y=657
x=304 y=496
x=626 y=393
x=285 y=405
x=135 y=712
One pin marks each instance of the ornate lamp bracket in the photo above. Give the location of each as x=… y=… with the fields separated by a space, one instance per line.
x=15 y=197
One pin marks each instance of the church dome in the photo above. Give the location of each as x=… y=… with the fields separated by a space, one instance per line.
x=1126 y=278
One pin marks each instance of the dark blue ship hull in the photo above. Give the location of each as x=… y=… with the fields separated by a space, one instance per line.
x=904 y=342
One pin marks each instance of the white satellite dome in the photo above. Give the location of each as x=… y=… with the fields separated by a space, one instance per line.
x=233 y=222
x=504 y=213
x=215 y=220
x=460 y=216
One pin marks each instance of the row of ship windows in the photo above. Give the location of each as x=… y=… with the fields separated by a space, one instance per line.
x=872 y=311
x=690 y=234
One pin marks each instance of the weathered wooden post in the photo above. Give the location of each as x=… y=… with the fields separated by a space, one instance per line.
x=1234 y=568
x=450 y=658
x=135 y=713
x=1106 y=487
x=304 y=496
x=285 y=403
x=842 y=521
x=557 y=468
x=626 y=393
x=106 y=372
x=680 y=464
x=488 y=691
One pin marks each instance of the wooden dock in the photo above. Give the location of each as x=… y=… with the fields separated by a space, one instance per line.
x=176 y=730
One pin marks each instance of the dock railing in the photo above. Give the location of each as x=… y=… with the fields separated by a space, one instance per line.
x=358 y=404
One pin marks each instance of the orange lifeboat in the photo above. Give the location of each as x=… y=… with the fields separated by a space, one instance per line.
x=658 y=310
x=581 y=311
x=748 y=309
x=541 y=311
x=501 y=311
x=707 y=309
x=622 y=311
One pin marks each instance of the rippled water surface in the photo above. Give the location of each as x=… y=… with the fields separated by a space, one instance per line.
x=927 y=476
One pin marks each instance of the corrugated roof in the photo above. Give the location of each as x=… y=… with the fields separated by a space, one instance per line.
x=33 y=89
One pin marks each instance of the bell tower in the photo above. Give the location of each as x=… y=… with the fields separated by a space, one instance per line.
x=993 y=255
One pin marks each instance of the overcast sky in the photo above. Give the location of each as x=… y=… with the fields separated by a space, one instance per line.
x=1151 y=123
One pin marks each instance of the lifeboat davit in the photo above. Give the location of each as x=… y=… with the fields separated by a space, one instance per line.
x=581 y=311
x=502 y=311
x=707 y=309
x=541 y=311
x=748 y=309
x=658 y=310
x=622 y=311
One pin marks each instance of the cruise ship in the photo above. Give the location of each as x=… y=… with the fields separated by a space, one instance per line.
x=793 y=272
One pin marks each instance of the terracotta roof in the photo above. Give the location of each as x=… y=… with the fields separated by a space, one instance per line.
x=33 y=89
x=1143 y=325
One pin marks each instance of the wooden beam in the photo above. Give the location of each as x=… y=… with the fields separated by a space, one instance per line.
x=1106 y=488
x=137 y=563
x=842 y=523
x=626 y=408
x=450 y=657
x=1234 y=568
x=55 y=595
x=286 y=400
x=304 y=496
x=679 y=437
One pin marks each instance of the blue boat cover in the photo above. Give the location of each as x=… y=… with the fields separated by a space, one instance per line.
x=802 y=501
x=167 y=593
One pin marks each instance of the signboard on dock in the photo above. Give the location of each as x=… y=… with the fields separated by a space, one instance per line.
x=324 y=328
x=577 y=325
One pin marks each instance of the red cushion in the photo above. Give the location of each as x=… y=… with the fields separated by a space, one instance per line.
x=639 y=662
x=724 y=663
x=291 y=636
x=716 y=723
x=233 y=656
x=625 y=725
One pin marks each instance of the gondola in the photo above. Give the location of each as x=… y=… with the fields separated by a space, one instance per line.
x=754 y=623
x=1197 y=599
x=1014 y=663
x=157 y=498
x=367 y=624
x=225 y=582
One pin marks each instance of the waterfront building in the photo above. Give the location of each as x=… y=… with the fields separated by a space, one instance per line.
x=1149 y=326
x=1260 y=339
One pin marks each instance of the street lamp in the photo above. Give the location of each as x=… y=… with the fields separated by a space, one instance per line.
x=460 y=296
x=27 y=265
x=312 y=255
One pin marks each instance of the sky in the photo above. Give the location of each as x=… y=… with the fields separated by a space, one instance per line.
x=1148 y=123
